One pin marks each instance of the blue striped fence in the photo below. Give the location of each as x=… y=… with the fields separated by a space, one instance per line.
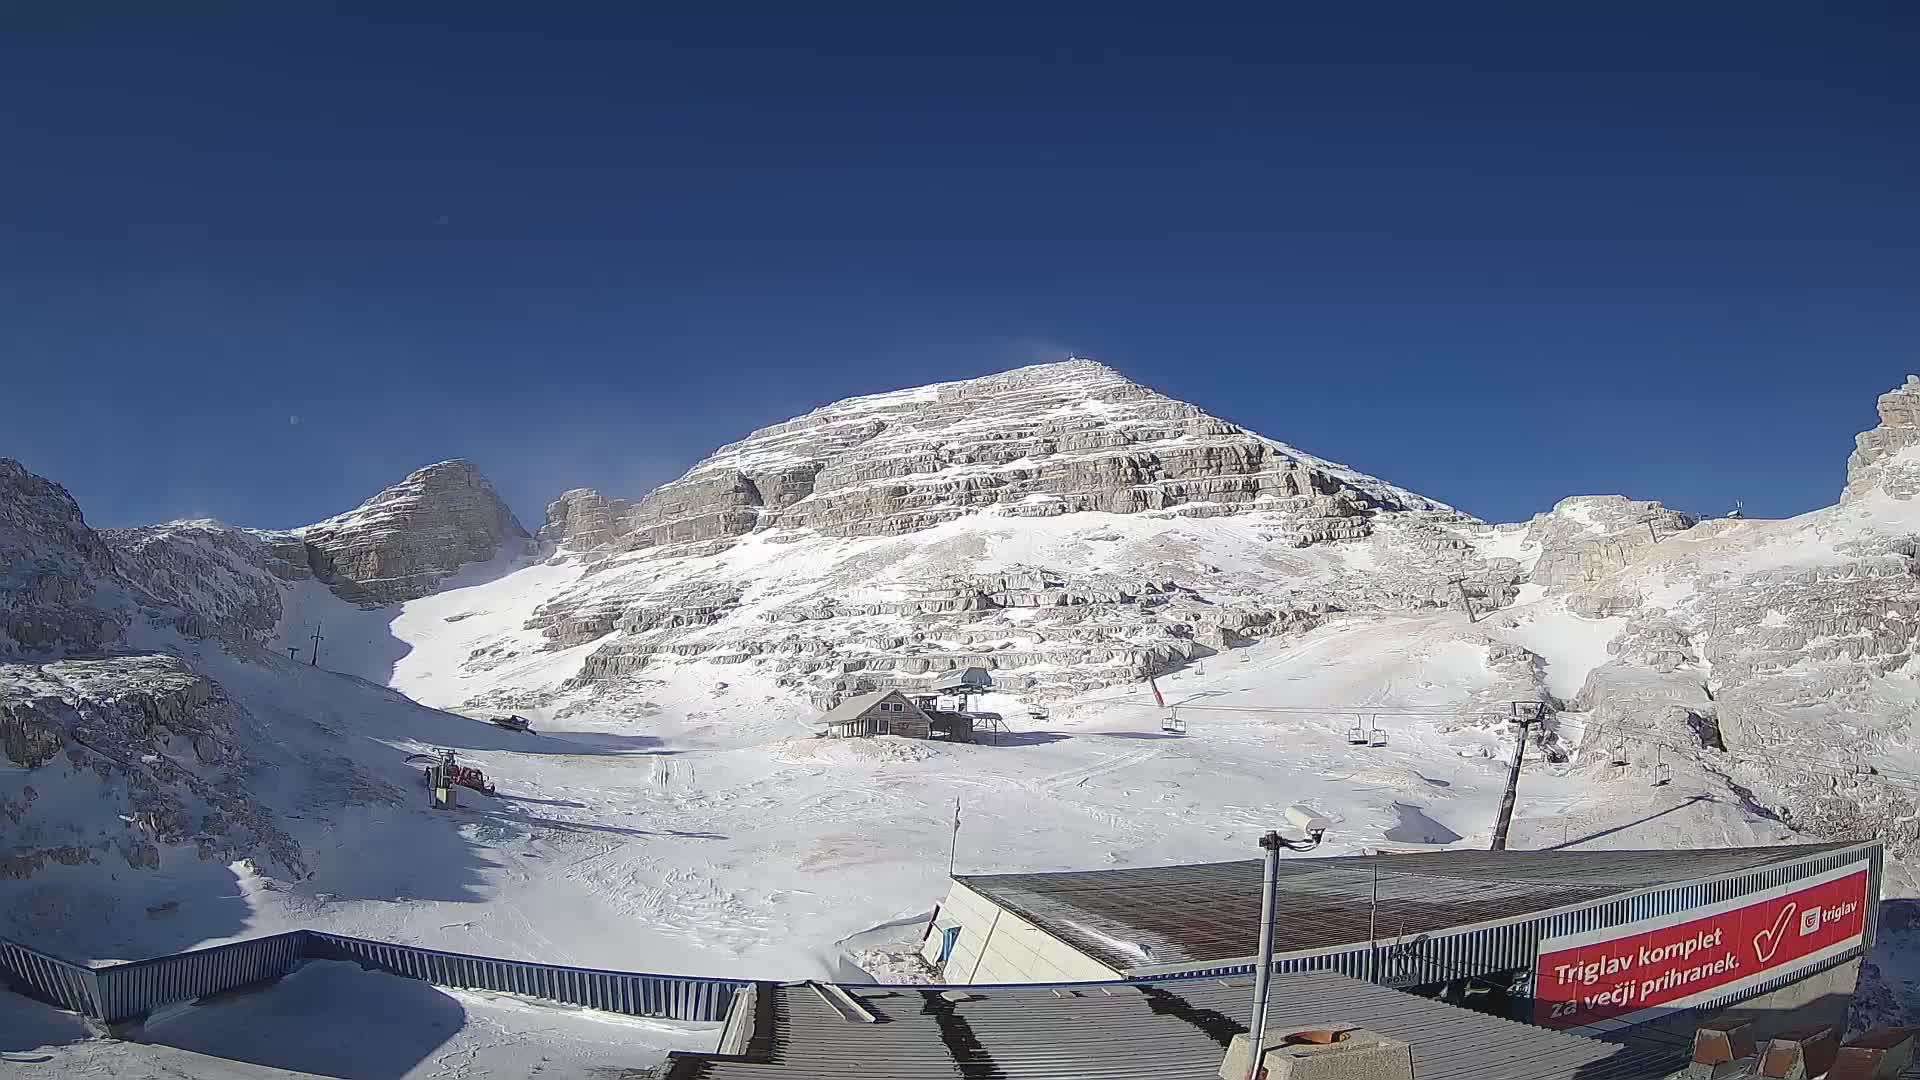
x=137 y=988
x=672 y=997
x=126 y=991
x=49 y=978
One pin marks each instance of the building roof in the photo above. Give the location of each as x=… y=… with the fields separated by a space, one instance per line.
x=851 y=708
x=1150 y=1030
x=973 y=678
x=1141 y=920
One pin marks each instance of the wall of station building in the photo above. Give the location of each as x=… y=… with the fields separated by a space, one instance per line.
x=992 y=945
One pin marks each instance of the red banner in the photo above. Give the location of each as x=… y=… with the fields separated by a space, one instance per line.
x=1595 y=977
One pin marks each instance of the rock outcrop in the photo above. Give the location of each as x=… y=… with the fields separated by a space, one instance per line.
x=1887 y=458
x=1585 y=538
x=209 y=580
x=1039 y=441
x=141 y=742
x=148 y=745
x=399 y=544
x=582 y=520
x=51 y=567
x=1777 y=653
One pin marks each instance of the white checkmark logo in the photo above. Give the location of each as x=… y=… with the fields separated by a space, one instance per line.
x=1767 y=942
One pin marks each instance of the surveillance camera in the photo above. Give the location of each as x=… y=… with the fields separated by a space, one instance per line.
x=1306 y=820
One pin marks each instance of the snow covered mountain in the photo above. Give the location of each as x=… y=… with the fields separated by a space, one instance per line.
x=1720 y=681
x=158 y=758
x=1058 y=524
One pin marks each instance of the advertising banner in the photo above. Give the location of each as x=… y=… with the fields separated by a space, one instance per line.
x=1627 y=974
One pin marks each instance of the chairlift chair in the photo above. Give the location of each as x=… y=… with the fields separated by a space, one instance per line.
x=1619 y=752
x=1379 y=737
x=1358 y=736
x=1661 y=774
x=1173 y=724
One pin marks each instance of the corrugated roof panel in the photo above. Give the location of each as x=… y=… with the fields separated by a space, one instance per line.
x=1208 y=912
x=1137 y=1031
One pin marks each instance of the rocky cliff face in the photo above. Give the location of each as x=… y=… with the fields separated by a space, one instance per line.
x=124 y=756
x=1780 y=653
x=51 y=566
x=1058 y=525
x=1040 y=441
x=115 y=754
x=209 y=580
x=1887 y=458
x=1588 y=537
x=399 y=544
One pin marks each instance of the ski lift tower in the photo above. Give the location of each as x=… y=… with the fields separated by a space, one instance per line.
x=963 y=684
x=440 y=783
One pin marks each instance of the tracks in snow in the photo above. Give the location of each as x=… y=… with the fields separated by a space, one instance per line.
x=1076 y=777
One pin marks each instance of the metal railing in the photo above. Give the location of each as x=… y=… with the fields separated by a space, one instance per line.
x=49 y=978
x=134 y=989
x=671 y=997
x=127 y=991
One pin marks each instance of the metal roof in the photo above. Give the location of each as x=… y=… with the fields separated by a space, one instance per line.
x=851 y=708
x=973 y=678
x=1172 y=1030
x=1207 y=912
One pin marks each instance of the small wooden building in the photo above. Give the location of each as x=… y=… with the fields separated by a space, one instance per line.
x=882 y=712
x=957 y=727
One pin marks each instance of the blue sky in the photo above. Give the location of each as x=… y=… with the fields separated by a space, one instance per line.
x=1498 y=254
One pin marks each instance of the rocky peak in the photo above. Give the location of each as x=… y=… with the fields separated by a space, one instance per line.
x=50 y=561
x=1887 y=458
x=399 y=544
x=1037 y=441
